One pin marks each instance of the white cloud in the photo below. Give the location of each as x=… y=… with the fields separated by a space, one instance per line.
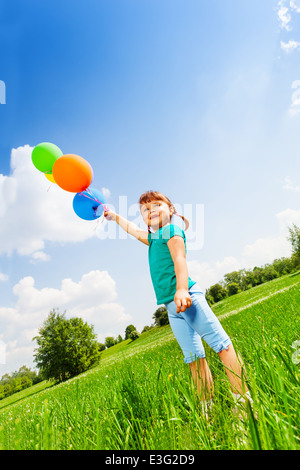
x=34 y=211
x=286 y=218
x=284 y=15
x=290 y=46
x=208 y=274
x=39 y=256
x=265 y=250
x=295 y=5
x=285 y=8
x=92 y=298
x=295 y=105
x=258 y=253
x=105 y=192
x=3 y=277
x=290 y=186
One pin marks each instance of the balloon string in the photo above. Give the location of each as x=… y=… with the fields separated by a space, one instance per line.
x=93 y=198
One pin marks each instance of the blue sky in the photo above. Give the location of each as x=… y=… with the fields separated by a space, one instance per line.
x=197 y=99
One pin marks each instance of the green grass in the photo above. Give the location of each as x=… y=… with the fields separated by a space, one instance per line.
x=141 y=395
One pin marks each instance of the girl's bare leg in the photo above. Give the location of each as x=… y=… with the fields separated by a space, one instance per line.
x=234 y=370
x=203 y=379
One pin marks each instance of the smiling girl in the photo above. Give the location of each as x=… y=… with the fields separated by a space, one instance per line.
x=190 y=316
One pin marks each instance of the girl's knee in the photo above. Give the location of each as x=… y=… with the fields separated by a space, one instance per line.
x=224 y=348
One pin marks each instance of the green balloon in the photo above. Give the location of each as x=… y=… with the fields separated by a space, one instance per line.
x=44 y=156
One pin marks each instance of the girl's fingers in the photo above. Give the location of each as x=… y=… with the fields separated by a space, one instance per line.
x=183 y=305
x=106 y=215
x=178 y=303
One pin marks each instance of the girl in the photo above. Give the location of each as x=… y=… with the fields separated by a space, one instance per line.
x=190 y=316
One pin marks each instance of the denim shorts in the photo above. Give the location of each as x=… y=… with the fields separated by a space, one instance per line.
x=196 y=323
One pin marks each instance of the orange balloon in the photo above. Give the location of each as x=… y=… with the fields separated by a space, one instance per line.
x=72 y=173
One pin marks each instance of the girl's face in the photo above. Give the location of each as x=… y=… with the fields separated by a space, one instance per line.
x=156 y=214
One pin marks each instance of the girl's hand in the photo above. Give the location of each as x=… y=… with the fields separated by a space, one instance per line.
x=110 y=215
x=183 y=300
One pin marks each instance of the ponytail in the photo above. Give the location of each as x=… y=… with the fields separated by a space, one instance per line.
x=185 y=220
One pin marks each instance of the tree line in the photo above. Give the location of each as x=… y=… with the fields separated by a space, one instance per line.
x=160 y=318
x=239 y=281
x=17 y=381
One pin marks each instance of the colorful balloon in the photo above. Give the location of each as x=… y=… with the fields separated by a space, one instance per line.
x=72 y=173
x=89 y=205
x=44 y=156
x=49 y=177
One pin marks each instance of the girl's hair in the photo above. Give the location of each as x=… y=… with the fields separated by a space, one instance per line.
x=150 y=196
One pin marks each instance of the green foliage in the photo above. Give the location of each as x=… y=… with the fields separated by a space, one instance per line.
x=246 y=279
x=134 y=335
x=217 y=292
x=294 y=238
x=128 y=330
x=233 y=288
x=110 y=341
x=160 y=317
x=17 y=381
x=147 y=328
x=65 y=347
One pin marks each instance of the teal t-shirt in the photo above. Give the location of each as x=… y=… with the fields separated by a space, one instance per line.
x=161 y=264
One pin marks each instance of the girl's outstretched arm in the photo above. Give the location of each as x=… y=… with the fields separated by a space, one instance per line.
x=129 y=227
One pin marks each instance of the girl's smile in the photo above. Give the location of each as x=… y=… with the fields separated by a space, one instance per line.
x=156 y=214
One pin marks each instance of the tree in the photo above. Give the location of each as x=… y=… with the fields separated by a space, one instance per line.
x=65 y=347
x=209 y=298
x=134 y=335
x=233 y=288
x=17 y=381
x=147 y=328
x=234 y=276
x=110 y=341
x=294 y=238
x=161 y=316
x=269 y=273
x=217 y=292
x=25 y=371
x=128 y=330
x=282 y=266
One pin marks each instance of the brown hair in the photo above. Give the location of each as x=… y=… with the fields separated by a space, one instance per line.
x=150 y=196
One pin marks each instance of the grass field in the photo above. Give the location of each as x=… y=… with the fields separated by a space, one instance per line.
x=141 y=395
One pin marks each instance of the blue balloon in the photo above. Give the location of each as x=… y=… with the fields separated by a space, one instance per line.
x=87 y=204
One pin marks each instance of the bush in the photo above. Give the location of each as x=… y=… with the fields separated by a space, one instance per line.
x=110 y=341
x=217 y=292
x=233 y=288
x=134 y=335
